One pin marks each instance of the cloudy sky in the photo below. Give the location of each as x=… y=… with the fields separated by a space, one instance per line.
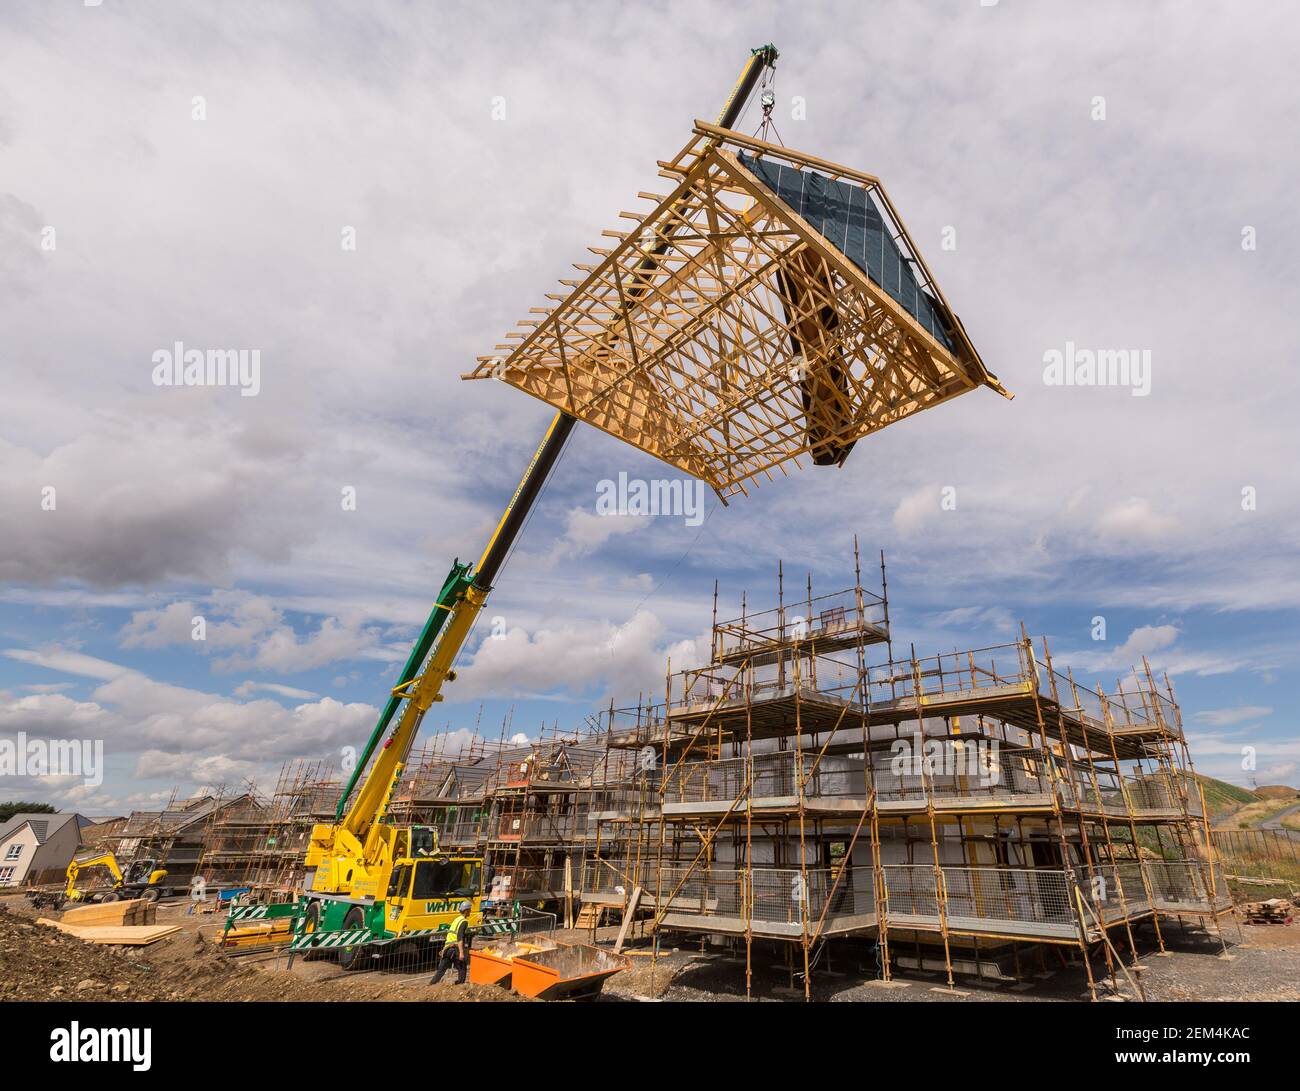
x=1114 y=176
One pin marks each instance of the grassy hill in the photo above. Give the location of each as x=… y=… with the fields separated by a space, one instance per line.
x=1221 y=797
x=1233 y=808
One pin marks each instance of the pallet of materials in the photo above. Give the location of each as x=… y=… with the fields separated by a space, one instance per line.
x=1273 y=911
x=259 y=936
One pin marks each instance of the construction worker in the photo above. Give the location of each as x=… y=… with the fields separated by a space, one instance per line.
x=455 y=948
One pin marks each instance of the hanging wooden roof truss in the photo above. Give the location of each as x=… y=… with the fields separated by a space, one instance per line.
x=728 y=336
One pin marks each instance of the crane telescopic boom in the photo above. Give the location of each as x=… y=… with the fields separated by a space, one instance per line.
x=353 y=856
x=464 y=591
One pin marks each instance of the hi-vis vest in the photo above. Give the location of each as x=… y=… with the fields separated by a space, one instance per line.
x=453 y=932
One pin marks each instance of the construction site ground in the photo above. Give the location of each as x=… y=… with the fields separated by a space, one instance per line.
x=40 y=963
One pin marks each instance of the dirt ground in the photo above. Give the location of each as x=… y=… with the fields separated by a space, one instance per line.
x=1264 y=964
x=41 y=963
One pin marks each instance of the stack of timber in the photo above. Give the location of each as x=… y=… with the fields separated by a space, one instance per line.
x=137 y=911
x=130 y=924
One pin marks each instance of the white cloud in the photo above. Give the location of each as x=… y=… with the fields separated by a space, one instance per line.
x=576 y=659
x=253 y=632
x=996 y=619
x=1242 y=757
x=285 y=651
x=53 y=715
x=1226 y=717
x=66 y=660
x=916 y=510
x=1135 y=520
x=1159 y=645
x=184 y=733
x=157 y=628
x=247 y=689
x=586 y=531
x=1145 y=640
x=210 y=770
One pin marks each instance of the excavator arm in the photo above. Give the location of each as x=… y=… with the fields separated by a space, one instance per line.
x=105 y=859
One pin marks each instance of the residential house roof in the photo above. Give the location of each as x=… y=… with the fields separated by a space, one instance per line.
x=43 y=825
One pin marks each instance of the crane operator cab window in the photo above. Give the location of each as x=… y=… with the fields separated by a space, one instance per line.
x=422 y=841
x=400 y=884
x=437 y=879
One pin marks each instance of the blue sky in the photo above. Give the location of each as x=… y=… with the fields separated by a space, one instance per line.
x=1122 y=231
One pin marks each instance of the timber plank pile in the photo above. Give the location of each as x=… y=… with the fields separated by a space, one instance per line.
x=130 y=924
x=135 y=911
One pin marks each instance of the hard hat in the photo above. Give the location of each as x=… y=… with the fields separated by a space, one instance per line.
x=465 y=907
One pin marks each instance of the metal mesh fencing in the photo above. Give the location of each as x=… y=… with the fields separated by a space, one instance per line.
x=981 y=897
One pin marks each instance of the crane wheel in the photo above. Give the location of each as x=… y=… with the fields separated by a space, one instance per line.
x=111 y=896
x=350 y=957
x=311 y=925
x=150 y=895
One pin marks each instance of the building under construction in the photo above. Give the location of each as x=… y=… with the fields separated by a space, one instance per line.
x=967 y=812
x=260 y=843
x=523 y=807
x=176 y=836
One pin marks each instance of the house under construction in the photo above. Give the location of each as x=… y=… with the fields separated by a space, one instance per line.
x=966 y=811
x=523 y=807
x=260 y=843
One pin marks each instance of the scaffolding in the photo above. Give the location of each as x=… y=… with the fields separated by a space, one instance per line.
x=959 y=810
x=175 y=836
x=535 y=840
x=449 y=788
x=261 y=843
x=812 y=783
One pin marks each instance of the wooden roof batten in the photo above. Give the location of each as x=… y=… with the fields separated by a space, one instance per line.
x=727 y=336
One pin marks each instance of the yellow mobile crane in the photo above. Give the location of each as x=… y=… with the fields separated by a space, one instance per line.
x=370 y=883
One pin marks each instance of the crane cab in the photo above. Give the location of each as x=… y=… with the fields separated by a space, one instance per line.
x=411 y=888
x=423 y=893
